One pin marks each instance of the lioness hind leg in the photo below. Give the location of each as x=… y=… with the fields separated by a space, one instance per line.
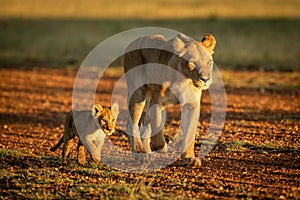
x=81 y=155
x=146 y=137
x=158 y=118
x=158 y=143
x=146 y=128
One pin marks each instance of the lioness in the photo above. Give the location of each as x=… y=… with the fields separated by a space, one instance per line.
x=190 y=58
x=107 y=121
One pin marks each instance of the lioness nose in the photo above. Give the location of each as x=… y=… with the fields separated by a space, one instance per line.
x=205 y=78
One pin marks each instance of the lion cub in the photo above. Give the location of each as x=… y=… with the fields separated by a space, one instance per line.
x=87 y=124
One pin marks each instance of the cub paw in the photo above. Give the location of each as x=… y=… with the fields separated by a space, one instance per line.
x=81 y=156
x=81 y=161
x=65 y=162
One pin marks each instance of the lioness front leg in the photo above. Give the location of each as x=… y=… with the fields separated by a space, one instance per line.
x=136 y=106
x=158 y=115
x=190 y=115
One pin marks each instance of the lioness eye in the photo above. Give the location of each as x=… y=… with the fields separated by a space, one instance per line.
x=192 y=65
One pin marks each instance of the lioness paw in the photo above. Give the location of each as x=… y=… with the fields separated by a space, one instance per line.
x=143 y=157
x=191 y=162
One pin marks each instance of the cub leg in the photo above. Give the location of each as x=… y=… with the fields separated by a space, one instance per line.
x=68 y=137
x=81 y=155
x=68 y=143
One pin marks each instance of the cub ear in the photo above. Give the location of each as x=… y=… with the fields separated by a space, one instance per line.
x=209 y=42
x=115 y=110
x=96 y=110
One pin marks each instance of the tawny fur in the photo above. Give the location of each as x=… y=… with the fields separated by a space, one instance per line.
x=190 y=58
x=107 y=121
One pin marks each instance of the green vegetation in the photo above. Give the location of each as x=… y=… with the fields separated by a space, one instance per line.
x=250 y=34
x=241 y=43
x=35 y=178
x=156 y=9
x=266 y=148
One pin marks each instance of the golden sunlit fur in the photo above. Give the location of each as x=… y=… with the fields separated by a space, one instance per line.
x=107 y=121
x=190 y=58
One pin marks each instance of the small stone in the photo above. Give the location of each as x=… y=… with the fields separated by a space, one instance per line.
x=282 y=197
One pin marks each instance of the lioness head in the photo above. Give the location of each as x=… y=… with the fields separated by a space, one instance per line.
x=194 y=59
x=106 y=117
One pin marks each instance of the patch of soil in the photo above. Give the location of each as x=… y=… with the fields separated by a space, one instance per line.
x=257 y=155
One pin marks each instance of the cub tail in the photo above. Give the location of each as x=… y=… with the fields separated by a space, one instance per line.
x=58 y=144
x=67 y=125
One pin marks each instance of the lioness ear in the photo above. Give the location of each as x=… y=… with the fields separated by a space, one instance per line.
x=96 y=110
x=115 y=110
x=209 y=42
x=184 y=38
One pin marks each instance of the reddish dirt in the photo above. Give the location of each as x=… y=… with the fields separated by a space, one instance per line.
x=257 y=155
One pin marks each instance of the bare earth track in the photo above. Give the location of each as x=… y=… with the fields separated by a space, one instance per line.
x=257 y=156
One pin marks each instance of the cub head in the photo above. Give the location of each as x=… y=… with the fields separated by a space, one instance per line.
x=194 y=59
x=107 y=117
